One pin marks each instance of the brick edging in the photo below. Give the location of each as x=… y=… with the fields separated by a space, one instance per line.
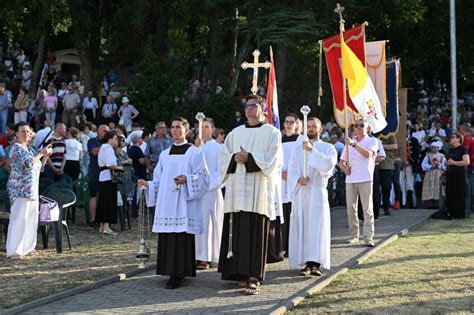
x=76 y=290
x=325 y=280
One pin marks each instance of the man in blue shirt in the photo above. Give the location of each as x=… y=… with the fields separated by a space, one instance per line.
x=93 y=147
x=156 y=145
x=5 y=103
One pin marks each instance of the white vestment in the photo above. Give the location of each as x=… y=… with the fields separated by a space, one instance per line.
x=252 y=192
x=310 y=224
x=178 y=211
x=288 y=148
x=208 y=243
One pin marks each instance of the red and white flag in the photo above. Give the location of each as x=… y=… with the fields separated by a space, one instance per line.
x=272 y=96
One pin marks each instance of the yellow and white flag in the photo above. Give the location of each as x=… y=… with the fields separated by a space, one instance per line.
x=361 y=89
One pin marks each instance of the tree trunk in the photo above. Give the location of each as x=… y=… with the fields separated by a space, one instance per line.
x=214 y=36
x=161 y=34
x=39 y=62
x=236 y=66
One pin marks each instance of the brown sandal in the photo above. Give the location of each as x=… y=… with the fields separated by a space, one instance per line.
x=202 y=265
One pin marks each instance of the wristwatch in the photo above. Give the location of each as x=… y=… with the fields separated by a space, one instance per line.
x=353 y=145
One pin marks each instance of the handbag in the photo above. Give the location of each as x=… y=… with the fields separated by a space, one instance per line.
x=49 y=210
x=118 y=176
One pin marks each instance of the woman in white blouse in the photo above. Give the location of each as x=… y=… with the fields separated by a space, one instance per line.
x=107 y=197
x=74 y=154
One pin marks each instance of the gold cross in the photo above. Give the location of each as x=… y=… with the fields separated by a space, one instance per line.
x=255 y=65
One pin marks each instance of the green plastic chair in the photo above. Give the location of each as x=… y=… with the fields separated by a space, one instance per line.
x=44 y=183
x=4 y=212
x=81 y=189
x=65 y=198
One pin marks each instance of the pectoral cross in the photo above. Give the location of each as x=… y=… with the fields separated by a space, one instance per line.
x=255 y=65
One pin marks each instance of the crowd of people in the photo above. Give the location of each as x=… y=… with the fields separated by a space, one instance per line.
x=242 y=200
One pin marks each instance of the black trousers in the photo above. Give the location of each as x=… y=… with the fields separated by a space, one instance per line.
x=386 y=178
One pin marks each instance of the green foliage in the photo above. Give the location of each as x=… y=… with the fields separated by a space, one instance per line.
x=285 y=27
x=155 y=88
x=219 y=107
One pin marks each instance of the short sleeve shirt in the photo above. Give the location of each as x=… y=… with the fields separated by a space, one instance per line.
x=362 y=168
x=93 y=164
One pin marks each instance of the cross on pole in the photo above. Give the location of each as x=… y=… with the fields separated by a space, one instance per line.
x=339 y=9
x=255 y=65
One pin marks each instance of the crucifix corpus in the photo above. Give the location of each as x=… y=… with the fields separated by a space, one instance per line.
x=255 y=65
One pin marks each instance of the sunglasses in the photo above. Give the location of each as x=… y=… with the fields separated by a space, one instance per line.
x=359 y=126
x=251 y=106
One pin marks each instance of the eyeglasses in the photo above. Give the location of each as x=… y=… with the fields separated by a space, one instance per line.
x=251 y=105
x=290 y=122
x=454 y=137
x=359 y=126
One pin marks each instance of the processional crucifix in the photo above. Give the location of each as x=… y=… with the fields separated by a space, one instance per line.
x=255 y=65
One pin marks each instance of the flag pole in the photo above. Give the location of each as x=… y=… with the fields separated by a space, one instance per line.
x=320 y=74
x=339 y=9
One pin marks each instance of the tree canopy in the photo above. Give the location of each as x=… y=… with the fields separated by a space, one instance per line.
x=167 y=42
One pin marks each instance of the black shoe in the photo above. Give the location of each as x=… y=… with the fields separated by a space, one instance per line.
x=173 y=283
x=386 y=212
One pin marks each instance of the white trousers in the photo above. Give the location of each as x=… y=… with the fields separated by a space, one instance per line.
x=407 y=182
x=20 y=116
x=208 y=244
x=23 y=227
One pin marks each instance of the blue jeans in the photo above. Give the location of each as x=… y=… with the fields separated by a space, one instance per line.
x=48 y=173
x=3 y=120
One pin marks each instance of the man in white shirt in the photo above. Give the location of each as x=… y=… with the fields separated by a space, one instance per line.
x=89 y=106
x=43 y=134
x=358 y=162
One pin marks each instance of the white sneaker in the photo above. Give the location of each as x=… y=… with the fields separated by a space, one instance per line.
x=353 y=240
x=369 y=243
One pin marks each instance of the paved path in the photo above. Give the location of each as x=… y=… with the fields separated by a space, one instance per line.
x=205 y=294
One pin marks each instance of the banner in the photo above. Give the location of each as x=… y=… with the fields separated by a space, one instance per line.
x=376 y=67
x=361 y=90
x=392 y=108
x=355 y=39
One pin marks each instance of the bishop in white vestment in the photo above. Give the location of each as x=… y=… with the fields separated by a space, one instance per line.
x=248 y=162
x=208 y=243
x=180 y=180
x=310 y=230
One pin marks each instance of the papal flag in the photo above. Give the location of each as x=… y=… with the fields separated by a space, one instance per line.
x=361 y=89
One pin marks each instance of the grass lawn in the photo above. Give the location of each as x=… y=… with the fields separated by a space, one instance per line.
x=430 y=271
x=93 y=257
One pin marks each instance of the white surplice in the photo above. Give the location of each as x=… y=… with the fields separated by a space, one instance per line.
x=310 y=226
x=288 y=148
x=178 y=211
x=252 y=192
x=208 y=243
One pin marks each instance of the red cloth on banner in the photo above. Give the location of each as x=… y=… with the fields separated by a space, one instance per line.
x=355 y=39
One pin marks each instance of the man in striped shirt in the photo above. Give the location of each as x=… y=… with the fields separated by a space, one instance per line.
x=54 y=168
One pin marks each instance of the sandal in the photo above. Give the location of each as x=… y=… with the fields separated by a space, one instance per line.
x=253 y=287
x=33 y=253
x=202 y=266
x=243 y=283
x=306 y=271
